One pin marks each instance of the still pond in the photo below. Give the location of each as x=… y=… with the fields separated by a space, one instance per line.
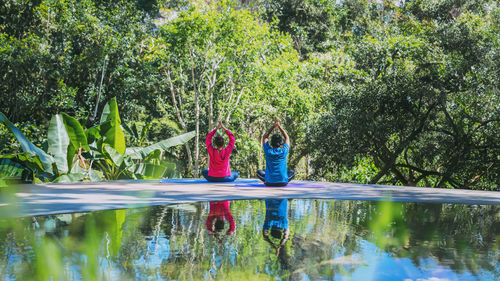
x=277 y=239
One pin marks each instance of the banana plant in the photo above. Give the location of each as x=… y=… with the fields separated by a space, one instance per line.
x=73 y=153
x=65 y=138
x=116 y=161
x=140 y=163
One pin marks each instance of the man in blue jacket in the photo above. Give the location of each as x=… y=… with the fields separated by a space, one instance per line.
x=276 y=152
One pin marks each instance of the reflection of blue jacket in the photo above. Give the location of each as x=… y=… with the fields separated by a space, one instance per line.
x=276 y=214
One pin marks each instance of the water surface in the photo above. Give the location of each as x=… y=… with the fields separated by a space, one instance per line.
x=259 y=240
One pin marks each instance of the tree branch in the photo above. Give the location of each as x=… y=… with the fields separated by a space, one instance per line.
x=478 y=176
x=235 y=106
x=422 y=171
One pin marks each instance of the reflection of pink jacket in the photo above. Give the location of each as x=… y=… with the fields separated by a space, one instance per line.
x=218 y=165
x=220 y=209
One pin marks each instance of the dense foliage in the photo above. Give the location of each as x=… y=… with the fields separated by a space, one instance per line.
x=418 y=97
x=369 y=91
x=73 y=154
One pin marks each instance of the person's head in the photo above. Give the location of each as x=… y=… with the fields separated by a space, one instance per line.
x=276 y=141
x=276 y=232
x=219 y=224
x=219 y=141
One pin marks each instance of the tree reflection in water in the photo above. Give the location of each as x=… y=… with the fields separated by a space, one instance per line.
x=313 y=239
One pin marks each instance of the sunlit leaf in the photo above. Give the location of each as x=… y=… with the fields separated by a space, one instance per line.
x=105 y=113
x=115 y=157
x=111 y=129
x=58 y=141
x=152 y=171
x=77 y=137
x=164 y=144
x=70 y=178
x=94 y=175
x=27 y=146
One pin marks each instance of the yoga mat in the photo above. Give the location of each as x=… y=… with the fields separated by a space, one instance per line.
x=246 y=181
x=289 y=185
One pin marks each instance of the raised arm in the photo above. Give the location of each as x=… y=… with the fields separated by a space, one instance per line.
x=283 y=132
x=208 y=140
x=266 y=134
x=287 y=139
x=210 y=135
x=229 y=135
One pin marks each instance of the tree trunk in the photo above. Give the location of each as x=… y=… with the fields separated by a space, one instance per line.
x=197 y=120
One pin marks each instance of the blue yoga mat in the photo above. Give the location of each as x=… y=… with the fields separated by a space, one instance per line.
x=248 y=181
x=289 y=185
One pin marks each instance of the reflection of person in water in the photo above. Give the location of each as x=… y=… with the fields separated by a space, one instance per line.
x=276 y=223
x=219 y=211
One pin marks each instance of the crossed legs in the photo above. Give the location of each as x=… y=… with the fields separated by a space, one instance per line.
x=261 y=174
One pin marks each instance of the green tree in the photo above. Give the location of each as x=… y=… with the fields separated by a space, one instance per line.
x=222 y=63
x=418 y=98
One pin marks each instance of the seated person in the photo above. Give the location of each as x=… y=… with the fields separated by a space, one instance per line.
x=276 y=153
x=218 y=167
x=219 y=211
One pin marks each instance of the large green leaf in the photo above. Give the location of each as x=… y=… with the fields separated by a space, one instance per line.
x=93 y=134
x=152 y=171
x=75 y=132
x=70 y=178
x=118 y=231
x=162 y=145
x=58 y=141
x=111 y=129
x=10 y=169
x=132 y=131
x=113 y=155
x=105 y=113
x=27 y=146
x=94 y=176
x=77 y=137
x=29 y=160
x=130 y=151
x=153 y=157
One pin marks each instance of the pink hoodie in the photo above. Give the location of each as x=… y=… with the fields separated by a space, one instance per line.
x=218 y=165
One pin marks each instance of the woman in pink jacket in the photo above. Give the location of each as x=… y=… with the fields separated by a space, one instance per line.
x=218 y=167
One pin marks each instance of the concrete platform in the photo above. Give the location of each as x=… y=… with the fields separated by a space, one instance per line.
x=42 y=199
